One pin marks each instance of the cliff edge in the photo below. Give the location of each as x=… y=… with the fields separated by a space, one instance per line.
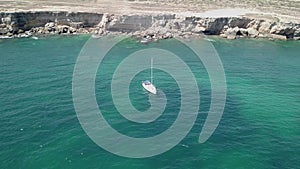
x=151 y=19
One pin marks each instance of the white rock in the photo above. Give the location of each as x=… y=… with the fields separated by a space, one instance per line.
x=50 y=24
x=252 y=32
x=198 y=29
x=4 y=31
x=6 y=20
x=223 y=35
x=231 y=32
x=231 y=37
x=264 y=27
x=244 y=31
x=279 y=37
x=162 y=23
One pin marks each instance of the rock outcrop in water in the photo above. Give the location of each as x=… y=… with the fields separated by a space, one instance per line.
x=151 y=27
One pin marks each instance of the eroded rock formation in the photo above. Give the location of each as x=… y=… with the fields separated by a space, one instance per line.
x=24 y=24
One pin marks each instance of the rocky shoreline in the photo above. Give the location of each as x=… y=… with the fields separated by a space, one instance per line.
x=146 y=26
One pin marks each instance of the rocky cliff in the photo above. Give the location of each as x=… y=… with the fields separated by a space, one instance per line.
x=24 y=24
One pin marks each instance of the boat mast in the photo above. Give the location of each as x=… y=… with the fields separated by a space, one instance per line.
x=151 y=70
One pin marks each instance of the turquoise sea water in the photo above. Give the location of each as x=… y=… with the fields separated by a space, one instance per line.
x=260 y=127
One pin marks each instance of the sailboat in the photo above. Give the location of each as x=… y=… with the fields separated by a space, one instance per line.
x=148 y=85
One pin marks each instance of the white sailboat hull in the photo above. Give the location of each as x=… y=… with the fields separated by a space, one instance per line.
x=148 y=85
x=150 y=88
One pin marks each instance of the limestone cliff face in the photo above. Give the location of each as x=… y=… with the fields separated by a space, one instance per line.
x=14 y=23
x=130 y=23
x=24 y=24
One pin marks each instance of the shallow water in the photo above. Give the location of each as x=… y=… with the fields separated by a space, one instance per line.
x=260 y=127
